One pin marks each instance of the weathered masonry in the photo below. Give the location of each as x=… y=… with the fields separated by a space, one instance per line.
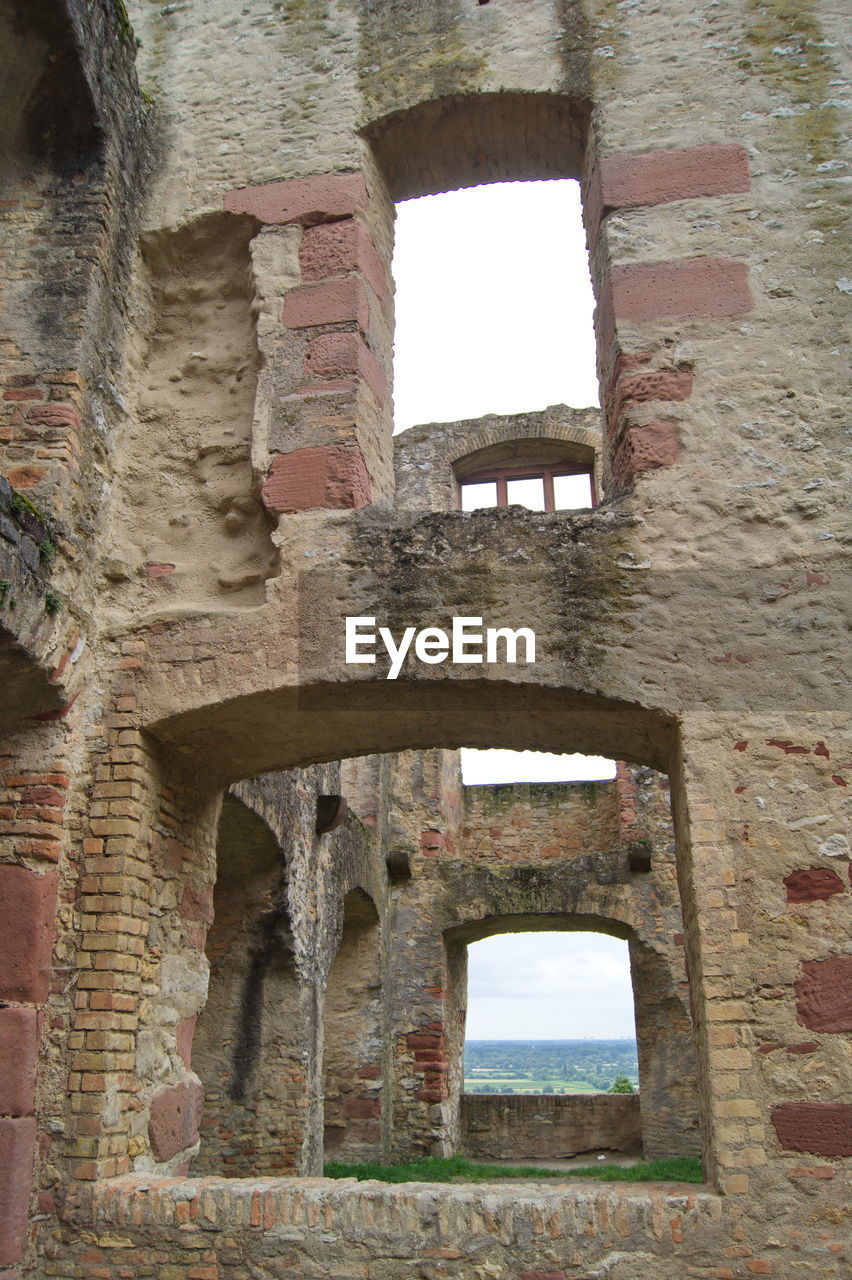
x=208 y=971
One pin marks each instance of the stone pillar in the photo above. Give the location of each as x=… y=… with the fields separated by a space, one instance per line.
x=324 y=396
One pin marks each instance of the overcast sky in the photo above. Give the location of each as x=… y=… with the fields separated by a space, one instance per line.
x=493 y=304
x=494 y=315
x=549 y=986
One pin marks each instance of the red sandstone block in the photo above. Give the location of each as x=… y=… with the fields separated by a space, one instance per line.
x=658 y=177
x=25 y=477
x=344 y=355
x=699 y=288
x=341 y=247
x=27 y=911
x=824 y=994
x=656 y=384
x=175 y=1117
x=419 y=1040
x=183 y=1034
x=339 y=301
x=644 y=448
x=812 y=885
x=17 y=1150
x=332 y=476
x=153 y=569
x=18 y=1053
x=197 y=904
x=822 y=1128
x=308 y=201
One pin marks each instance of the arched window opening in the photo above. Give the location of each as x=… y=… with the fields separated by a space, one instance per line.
x=549 y=1013
x=493 y=305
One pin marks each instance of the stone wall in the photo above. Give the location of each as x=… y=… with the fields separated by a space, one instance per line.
x=694 y=623
x=539 y=1127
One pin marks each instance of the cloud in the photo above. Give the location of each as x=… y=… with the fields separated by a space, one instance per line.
x=554 y=986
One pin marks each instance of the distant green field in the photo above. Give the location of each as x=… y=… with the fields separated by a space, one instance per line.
x=523 y=1085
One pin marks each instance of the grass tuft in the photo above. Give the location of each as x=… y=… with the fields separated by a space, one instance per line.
x=456 y=1168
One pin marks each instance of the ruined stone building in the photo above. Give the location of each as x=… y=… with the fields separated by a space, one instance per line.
x=209 y=970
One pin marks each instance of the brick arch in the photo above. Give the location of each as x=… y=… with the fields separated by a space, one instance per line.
x=482 y=441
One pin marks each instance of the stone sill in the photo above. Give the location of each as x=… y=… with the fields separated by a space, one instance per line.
x=274 y=1204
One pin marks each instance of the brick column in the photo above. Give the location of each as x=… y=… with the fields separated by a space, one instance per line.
x=330 y=434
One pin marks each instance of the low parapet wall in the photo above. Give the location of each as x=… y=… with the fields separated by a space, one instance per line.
x=536 y=1126
x=281 y=1229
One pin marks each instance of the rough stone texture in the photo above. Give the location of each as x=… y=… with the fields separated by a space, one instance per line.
x=694 y=623
x=824 y=994
x=531 y=1127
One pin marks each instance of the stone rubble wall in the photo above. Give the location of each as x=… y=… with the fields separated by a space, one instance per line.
x=535 y=1127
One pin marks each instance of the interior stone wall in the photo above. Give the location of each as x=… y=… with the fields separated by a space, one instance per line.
x=695 y=623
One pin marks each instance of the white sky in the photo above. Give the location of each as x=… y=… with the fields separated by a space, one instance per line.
x=531 y=766
x=549 y=986
x=493 y=304
x=494 y=315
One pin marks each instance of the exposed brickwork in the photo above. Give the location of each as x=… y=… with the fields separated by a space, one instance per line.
x=330 y=476
x=824 y=994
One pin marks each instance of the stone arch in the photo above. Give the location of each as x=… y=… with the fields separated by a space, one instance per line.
x=279 y=728
x=667 y=1060
x=479 y=138
x=353 y=1051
